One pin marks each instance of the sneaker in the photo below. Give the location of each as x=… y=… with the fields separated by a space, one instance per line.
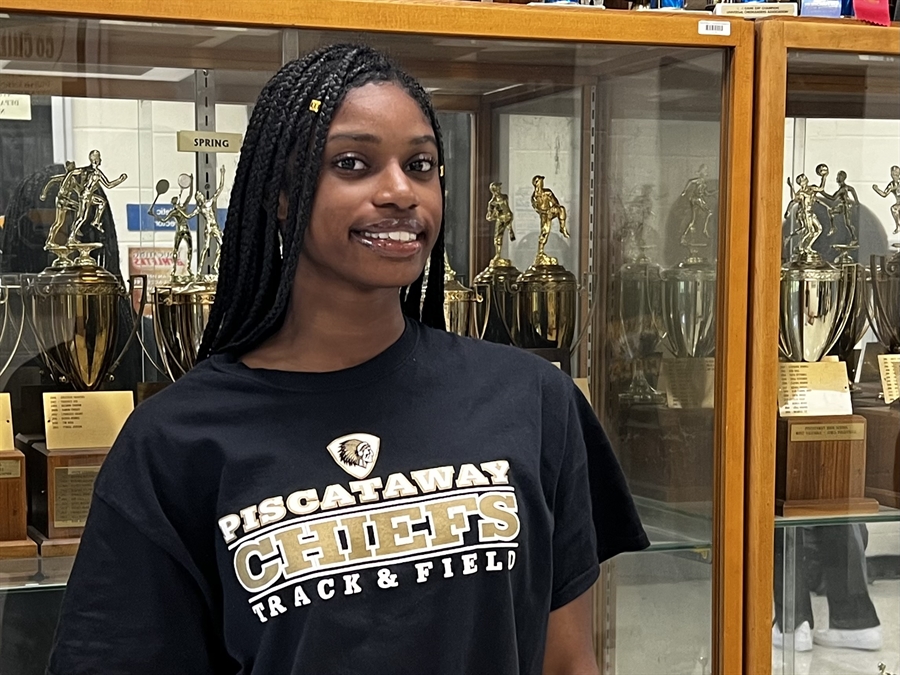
x=803 y=641
x=869 y=639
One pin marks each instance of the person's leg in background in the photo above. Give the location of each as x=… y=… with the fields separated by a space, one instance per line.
x=852 y=619
x=803 y=616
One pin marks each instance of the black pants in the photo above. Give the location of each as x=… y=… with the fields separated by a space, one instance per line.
x=833 y=556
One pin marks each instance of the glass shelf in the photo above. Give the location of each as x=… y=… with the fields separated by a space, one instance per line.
x=885 y=514
x=34 y=574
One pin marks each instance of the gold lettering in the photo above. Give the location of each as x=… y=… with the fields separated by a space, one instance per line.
x=355 y=528
x=309 y=545
x=500 y=520
x=450 y=519
x=264 y=550
x=394 y=530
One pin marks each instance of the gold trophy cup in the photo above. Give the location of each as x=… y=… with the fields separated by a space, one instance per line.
x=181 y=309
x=546 y=293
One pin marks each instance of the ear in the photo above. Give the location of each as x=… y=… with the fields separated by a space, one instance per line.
x=282 y=212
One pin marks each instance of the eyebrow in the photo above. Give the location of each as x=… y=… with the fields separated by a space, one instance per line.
x=372 y=138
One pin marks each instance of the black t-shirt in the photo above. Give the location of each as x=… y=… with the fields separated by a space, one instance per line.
x=422 y=512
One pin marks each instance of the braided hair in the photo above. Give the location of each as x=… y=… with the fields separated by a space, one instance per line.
x=282 y=152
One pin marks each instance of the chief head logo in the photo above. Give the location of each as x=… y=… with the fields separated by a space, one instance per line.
x=355 y=453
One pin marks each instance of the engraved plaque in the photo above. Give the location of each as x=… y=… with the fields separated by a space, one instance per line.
x=72 y=496
x=85 y=419
x=10 y=468
x=889 y=366
x=842 y=431
x=813 y=389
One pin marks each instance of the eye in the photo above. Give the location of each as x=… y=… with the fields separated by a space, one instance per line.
x=349 y=163
x=422 y=164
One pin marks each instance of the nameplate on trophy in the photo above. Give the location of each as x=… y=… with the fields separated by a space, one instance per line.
x=6 y=431
x=811 y=389
x=832 y=431
x=208 y=141
x=10 y=468
x=88 y=419
x=688 y=383
x=73 y=493
x=889 y=367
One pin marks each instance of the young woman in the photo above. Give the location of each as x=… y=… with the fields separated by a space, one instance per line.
x=340 y=487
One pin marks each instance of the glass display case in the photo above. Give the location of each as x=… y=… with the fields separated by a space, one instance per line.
x=824 y=430
x=597 y=199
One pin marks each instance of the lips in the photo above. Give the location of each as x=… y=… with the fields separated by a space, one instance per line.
x=393 y=238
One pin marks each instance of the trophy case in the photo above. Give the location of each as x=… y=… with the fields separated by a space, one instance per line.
x=824 y=416
x=597 y=170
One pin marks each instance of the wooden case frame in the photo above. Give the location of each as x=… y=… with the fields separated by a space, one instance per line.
x=775 y=38
x=660 y=31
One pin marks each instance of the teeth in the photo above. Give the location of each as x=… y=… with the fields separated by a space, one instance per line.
x=395 y=236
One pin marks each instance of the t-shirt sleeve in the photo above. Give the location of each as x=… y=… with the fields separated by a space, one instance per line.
x=594 y=514
x=131 y=608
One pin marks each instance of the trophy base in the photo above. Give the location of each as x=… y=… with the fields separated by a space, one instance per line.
x=20 y=548
x=667 y=453
x=820 y=466
x=53 y=548
x=883 y=454
x=60 y=486
x=14 y=542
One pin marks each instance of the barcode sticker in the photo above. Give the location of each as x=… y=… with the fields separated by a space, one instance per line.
x=714 y=28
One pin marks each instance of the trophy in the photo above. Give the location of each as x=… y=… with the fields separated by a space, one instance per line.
x=689 y=289
x=892 y=188
x=820 y=458
x=181 y=309
x=74 y=305
x=883 y=306
x=496 y=282
x=546 y=293
x=815 y=296
x=74 y=312
x=460 y=303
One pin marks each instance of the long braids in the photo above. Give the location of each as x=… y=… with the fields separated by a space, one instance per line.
x=282 y=151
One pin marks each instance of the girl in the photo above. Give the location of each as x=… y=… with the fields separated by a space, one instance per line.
x=341 y=486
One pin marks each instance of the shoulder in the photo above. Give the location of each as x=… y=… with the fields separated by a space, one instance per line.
x=492 y=362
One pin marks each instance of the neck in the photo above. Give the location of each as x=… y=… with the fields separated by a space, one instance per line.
x=325 y=333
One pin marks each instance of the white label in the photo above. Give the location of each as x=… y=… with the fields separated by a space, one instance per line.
x=15 y=107
x=811 y=389
x=85 y=419
x=714 y=28
x=889 y=366
x=208 y=141
x=688 y=383
x=6 y=430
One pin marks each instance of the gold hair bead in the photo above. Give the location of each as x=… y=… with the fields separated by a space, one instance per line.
x=314 y=105
x=441 y=170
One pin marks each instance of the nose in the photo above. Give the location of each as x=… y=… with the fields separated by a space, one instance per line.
x=395 y=188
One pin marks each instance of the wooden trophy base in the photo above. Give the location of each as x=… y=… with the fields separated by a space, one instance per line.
x=669 y=452
x=883 y=454
x=14 y=541
x=60 y=488
x=820 y=466
x=53 y=548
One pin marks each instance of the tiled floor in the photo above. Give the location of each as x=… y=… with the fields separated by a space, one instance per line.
x=825 y=661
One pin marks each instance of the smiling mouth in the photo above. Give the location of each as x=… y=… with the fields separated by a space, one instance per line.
x=390 y=243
